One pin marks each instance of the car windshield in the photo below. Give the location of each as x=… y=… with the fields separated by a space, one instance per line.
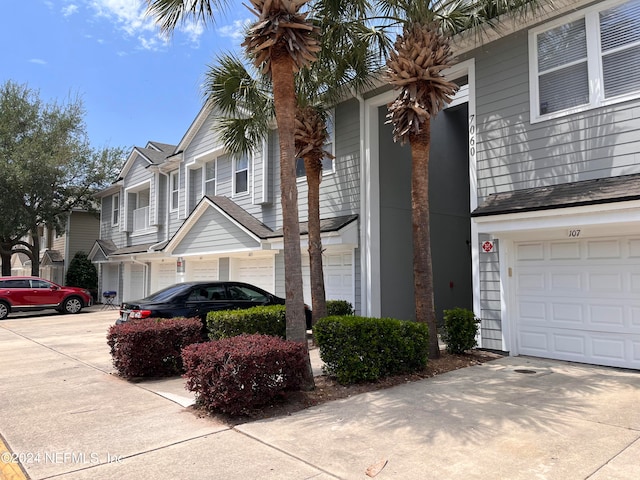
x=167 y=293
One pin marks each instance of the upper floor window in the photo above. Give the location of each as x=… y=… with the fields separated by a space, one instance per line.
x=174 y=187
x=115 y=209
x=210 y=178
x=241 y=175
x=591 y=61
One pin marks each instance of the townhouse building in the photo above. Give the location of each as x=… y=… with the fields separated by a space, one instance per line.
x=534 y=193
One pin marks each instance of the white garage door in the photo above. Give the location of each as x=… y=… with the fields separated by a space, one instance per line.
x=256 y=271
x=201 y=269
x=338 y=276
x=579 y=300
x=163 y=274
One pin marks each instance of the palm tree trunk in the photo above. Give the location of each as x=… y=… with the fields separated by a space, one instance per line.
x=284 y=99
x=422 y=267
x=318 y=296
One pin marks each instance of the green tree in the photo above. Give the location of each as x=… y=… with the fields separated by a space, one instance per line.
x=82 y=273
x=48 y=168
x=421 y=53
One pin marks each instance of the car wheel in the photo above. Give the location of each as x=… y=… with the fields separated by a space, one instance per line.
x=72 y=305
x=4 y=310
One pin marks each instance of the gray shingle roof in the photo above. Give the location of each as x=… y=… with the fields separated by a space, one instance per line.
x=573 y=194
x=241 y=216
x=260 y=230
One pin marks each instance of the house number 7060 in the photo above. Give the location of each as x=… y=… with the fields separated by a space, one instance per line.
x=574 y=232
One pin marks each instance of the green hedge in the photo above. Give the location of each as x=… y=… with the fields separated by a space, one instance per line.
x=339 y=307
x=356 y=349
x=460 y=330
x=264 y=320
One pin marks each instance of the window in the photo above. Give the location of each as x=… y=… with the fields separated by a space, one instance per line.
x=241 y=175
x=115 y=209
x=327 y=167
x=591 y=61
x=210 y=178
x=174 y=187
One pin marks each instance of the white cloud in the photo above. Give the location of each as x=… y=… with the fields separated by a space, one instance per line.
x=130 y=17
x=38 y=61
x=69 y=10
x=235 y=30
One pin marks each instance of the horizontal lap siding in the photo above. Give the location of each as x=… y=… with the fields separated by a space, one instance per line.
x=490 y=307
x=214 y=233
x=515 y=154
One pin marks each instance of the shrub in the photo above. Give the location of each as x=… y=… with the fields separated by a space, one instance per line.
x=356 y=349
x=460 y=330
x=82 y=273
x=152 y=347
x=339 y=307
x=265 y=320
x=236 y=374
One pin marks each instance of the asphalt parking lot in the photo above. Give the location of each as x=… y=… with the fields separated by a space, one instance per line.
x=67 y=416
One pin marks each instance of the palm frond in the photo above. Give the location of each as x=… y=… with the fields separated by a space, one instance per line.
x=170 y=13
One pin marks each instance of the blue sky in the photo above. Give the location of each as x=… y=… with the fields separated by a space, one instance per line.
x=135 y=84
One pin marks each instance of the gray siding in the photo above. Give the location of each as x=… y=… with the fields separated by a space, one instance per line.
x=357 y=282
x=107 y=231
x=214 y=233
x=490 y=307
x=340 y=191
x=515 y=154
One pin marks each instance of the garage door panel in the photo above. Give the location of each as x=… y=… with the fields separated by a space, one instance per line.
x=579 y=300
x=564 y=251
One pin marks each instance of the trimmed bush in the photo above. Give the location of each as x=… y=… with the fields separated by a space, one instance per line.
x=237 y=374
x=152 y=347
x=460 y=330
x=265 y=320
x=83 y=273
x=339 y=307
x=356 y=349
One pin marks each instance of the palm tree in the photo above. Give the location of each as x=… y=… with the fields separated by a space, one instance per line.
x=281 y=42
x=246 y=103
x=421 y=52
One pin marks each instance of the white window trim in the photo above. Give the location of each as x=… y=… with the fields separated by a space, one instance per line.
x=594 y=64
x=175 y=174
x=115 y=199
x=234 y=161
x=138 y=187
x=214 y=179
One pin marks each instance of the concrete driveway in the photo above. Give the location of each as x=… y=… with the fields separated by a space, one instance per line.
x=64 y=413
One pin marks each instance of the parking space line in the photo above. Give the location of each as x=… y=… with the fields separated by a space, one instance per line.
x=9 y=469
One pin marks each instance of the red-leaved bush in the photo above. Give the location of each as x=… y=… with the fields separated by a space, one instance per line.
x=236 y=374
x=152 y=347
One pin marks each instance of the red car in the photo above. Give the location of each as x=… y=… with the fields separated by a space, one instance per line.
x=20 y=294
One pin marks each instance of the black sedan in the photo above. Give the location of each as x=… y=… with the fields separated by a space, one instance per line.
x=196 y=299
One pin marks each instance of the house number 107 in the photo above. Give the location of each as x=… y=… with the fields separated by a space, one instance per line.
x=574 y=232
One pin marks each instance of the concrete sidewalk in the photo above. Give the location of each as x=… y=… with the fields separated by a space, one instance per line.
x=61 y=408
